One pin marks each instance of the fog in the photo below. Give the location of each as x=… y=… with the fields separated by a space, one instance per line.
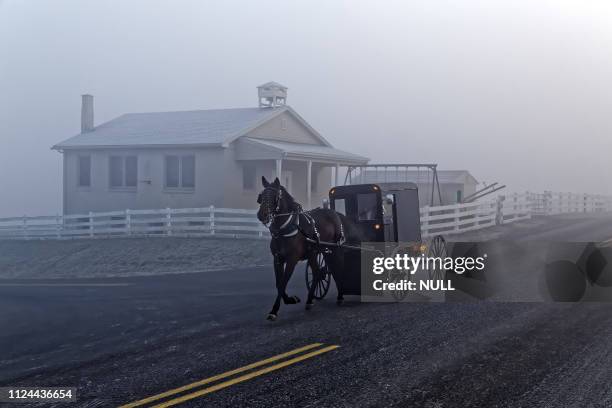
x=516 y=91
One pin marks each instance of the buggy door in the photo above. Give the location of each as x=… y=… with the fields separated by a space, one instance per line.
x=407 y=215
x=364 y=208
x=362 y=205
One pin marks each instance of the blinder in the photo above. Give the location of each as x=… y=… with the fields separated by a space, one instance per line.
x=271 y=205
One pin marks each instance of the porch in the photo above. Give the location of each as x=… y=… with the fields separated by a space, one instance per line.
x=307 y=171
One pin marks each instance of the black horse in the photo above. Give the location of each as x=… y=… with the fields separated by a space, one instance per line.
x=297 y=235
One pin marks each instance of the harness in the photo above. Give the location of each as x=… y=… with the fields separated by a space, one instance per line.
x=292 y=226
x=289 y=228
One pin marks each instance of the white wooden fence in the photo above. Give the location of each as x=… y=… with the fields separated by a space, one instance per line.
x=457 y=218
x=226 y=222
x=194 y=222
x=550 y=203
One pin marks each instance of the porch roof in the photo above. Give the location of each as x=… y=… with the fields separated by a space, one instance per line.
x=249 y=148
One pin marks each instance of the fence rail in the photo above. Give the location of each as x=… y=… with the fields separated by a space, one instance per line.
x=239 y=223
x=458 y=218
x=207 y=221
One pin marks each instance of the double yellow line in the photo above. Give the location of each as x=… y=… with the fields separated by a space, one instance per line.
x=236 y=380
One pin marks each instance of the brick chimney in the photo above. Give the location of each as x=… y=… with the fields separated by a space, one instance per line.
x=87 y=113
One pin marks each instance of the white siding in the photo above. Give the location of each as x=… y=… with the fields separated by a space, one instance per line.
x=100 y=197
x=294 y=132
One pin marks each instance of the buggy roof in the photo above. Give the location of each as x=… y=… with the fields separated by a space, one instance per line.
x=366 y=188
x=354 y=189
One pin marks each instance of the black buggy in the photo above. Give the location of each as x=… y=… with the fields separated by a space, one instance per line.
x=391 y=217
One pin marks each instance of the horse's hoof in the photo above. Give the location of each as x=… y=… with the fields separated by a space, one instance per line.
x=292 y=300
x=309 y=306
x=339 y=302
x=271 y=317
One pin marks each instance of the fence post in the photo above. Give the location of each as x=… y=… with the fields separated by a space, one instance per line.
x=499 y=211
x=24 y=227
x=212 y=220
x=456 y=218
x=168 y=221
x=547 y=203
x=528 y=204
x=128 y=222
x=58 y=231
x=425 y=224
x=91 y=225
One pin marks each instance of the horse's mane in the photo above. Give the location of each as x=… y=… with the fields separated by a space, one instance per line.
x=293 y=205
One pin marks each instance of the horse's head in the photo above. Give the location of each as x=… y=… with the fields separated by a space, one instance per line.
x=273 y=200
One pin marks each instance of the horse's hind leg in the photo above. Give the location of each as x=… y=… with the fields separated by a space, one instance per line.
x=316 y=278
x=337 y=270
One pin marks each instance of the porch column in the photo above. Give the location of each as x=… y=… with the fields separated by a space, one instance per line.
x=336 y=174
x=279 y=168
x=309 y=183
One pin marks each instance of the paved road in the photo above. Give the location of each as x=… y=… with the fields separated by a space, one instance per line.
x=122 y=340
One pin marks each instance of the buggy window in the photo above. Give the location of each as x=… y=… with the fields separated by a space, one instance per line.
x=340 y=206
x=367 y=207
x=388 y=208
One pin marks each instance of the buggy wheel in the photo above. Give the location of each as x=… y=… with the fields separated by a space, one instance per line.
x=398 y=277
x=395 y=276
x=437 y=249
x=322 y=287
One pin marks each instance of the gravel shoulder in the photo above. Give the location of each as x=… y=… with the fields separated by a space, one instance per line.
x=127 y=257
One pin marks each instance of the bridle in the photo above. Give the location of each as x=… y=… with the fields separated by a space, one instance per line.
x=272 y=206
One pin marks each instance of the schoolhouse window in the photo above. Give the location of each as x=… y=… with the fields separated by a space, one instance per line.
x=123 y=171
x=188 y=171
x=84 y=171
x=248 y=177
x=116 y=171
x=131 y=171
x=180 y=171
x=172 y=171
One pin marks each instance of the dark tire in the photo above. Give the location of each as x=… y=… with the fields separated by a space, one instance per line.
x=437 y=249
x=396 y=277
x=323 y=285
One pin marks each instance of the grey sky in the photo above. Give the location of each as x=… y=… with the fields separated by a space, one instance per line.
x=514 y=91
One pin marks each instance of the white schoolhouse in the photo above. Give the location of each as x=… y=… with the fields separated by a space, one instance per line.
x=197 y=158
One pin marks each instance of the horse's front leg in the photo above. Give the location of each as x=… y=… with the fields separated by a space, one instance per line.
x=278 y=275
x=289 y=267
